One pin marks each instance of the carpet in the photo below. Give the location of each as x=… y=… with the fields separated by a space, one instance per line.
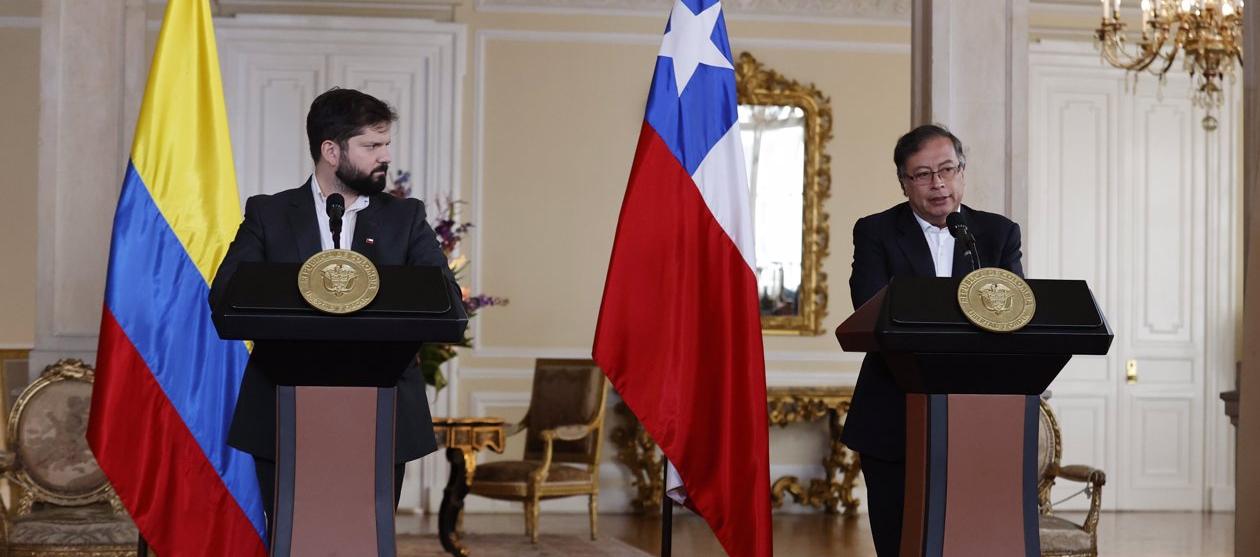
x=517 y=545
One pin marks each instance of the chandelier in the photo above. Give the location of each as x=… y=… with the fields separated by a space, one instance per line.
x=1207 y=33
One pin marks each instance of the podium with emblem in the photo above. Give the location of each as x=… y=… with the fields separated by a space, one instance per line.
x=973 y=355
x=335 y=335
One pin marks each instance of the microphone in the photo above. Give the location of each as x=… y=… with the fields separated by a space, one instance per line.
x=336 y=206
x=958 y=229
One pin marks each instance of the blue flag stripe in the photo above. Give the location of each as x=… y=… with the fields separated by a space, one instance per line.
x=159 y=298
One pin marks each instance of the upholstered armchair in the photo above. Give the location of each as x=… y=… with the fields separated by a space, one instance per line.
x=1061 y=537
x=563 y=428
x=64 y=504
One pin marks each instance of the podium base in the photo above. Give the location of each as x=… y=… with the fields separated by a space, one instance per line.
x=334 y=471
x=971 y=476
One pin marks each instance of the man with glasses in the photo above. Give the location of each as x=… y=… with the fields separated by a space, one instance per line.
x=911 y=239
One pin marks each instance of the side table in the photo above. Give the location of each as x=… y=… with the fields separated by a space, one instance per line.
x=462 y=437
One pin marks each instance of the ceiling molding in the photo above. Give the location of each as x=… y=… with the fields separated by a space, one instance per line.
x=1038 y=34
x=439 y=10
x=881 y=11
x=1075 y=7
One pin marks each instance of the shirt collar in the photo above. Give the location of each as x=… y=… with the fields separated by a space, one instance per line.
x=926 y=226
x=359 y=204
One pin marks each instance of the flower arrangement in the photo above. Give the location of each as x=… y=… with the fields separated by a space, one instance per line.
x=450 y=231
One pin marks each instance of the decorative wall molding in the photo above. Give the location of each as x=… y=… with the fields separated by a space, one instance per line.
x=91 y=81
x=439 y=10
x=19 y=22
x=584 y=352
x=881 y=11
x=774 y=378
x=483 y=39
x=481 y=401
x=1073 y=7
x=654 y=39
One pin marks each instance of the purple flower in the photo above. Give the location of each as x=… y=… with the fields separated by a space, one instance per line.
x=449 y=232
x=474 y=303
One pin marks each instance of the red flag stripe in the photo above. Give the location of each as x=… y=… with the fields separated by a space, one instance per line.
x=137 y=416
x=679 y=336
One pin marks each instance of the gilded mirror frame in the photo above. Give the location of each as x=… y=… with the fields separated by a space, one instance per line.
x=758 y=85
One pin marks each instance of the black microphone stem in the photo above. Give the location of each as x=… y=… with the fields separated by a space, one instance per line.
x=957 y=224
x=335 y=207
x=971 y=249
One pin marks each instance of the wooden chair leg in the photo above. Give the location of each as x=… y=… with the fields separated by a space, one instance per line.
x=529 y=521
x=594 y=510
x=533 y=519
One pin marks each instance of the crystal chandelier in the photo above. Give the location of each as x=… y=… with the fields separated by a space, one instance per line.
x=1207 y=33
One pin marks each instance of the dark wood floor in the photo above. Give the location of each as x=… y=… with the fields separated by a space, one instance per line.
x=1120 y=534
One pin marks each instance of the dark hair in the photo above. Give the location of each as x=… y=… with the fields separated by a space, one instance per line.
x=339 y=114
x=910 y=144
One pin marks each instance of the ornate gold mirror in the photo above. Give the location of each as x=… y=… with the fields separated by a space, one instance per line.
x=785 y=127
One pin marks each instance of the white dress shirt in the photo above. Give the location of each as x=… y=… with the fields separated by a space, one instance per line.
x=347 y=220
x=940 y=243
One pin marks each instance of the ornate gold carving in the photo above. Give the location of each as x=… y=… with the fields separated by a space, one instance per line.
x=1092 y=477
x=808 y=404
x=757 y=85
x=70 y=551
x=63 y=370
x=470 y=435
x=25 y=502
x=637 y=451
x=1046 y=482
x=996 y=300
x=8 y=356
x=32 y=492
x=786 y=405
x=338 y=281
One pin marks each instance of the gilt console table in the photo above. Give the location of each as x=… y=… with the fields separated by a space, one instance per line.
x=832 y=493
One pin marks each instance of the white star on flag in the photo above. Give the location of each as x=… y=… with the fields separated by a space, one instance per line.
x=688 y=42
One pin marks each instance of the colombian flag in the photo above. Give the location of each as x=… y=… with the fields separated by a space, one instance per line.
x=166 y=385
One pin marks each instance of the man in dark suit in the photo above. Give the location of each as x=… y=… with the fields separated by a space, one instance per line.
x=349 y=134
x=911 y=239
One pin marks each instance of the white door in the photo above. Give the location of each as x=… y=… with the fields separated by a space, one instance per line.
x=1130 y=193
x=274 y=66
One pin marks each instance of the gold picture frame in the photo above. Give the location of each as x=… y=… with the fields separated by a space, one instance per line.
x=758 y=85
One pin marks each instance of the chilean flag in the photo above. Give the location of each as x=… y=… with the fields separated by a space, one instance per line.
x=165 y=383
x=679 y=331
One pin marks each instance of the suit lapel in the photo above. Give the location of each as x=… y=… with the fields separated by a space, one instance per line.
x=305 y=226
x=913 y=244
x=366 y=225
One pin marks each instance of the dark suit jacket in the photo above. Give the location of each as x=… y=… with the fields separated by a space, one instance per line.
x=282 y=228
x=891 y=244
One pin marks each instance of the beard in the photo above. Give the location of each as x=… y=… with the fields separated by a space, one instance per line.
x=360 y=181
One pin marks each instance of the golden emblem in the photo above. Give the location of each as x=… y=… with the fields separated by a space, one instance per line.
x=996 y=300
x=338 y=281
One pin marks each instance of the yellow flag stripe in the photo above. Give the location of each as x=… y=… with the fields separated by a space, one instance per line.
x=182 y=150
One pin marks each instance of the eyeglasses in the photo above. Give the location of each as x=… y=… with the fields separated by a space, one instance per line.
x=928 y=177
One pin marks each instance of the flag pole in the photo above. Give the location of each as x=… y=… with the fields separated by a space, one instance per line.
x=142 y=549
x=667 y=511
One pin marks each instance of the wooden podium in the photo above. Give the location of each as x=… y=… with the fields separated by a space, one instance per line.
x=336 y=397
x=971 y=407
